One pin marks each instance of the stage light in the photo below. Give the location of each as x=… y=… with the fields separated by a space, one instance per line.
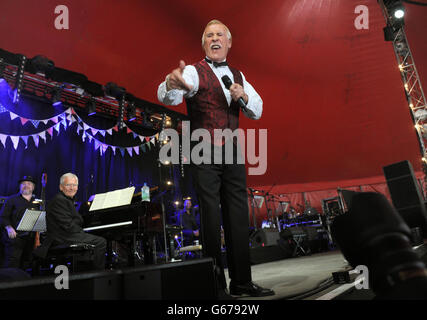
x=396 y=12
x=131 y=111
x=56 y=96
x=42 y=65
x=399 y=13
x=113 y=90
x=169 y=183
x=395 y=8
x=91 y=107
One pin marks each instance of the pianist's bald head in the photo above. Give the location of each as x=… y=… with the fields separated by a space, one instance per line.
x=67 y=175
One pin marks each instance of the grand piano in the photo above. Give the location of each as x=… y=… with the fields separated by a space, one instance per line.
x=134 y=224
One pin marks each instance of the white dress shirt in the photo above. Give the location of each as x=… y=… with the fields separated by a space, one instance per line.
x=174 y=97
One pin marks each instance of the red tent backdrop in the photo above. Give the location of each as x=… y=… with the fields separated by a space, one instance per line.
x=334 y=103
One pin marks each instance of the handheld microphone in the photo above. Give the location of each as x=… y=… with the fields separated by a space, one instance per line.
x=227 y=83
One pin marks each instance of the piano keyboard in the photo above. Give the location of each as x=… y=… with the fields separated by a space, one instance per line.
x=105 y=226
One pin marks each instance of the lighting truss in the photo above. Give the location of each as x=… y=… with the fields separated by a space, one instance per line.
x=25 y=80
x=411 y=81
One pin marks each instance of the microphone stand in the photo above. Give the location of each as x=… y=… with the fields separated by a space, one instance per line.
x=253 y=208
x=161 y=196
x=266 y=195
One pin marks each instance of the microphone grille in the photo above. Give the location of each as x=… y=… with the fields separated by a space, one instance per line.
x=227 y=81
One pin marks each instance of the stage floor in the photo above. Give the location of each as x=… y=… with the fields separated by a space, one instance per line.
x=290 y=278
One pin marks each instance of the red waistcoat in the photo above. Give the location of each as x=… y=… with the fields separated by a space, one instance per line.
x=208 y=108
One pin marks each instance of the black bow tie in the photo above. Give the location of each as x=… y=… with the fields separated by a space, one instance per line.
x=217 y=64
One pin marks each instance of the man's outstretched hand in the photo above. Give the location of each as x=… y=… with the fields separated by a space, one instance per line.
x=174 y=80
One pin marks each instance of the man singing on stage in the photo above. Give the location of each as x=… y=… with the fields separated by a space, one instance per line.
x=220 y=187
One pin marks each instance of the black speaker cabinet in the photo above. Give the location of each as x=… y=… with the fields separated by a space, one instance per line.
x=105 y=285
x=188 y=280
x=406 y=195
x=265 y=238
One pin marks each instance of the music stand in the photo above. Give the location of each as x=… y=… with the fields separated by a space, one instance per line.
x=33 y=220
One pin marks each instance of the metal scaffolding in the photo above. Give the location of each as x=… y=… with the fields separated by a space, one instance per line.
x=394 y=32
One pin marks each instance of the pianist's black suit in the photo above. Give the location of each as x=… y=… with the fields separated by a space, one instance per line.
x=64 y=226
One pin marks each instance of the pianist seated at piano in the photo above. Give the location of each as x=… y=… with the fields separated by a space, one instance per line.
x=64 y=223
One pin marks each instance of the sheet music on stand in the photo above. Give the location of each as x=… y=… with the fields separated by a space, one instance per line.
x=33 y=220
x=258 y=201
x=112 y=199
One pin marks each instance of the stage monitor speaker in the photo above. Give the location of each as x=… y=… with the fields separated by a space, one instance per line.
x=104 y=285
x=188 y=280
x=406 y=195
x=265 y=237
x=271 y=253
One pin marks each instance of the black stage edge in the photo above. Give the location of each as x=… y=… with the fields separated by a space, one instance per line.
x=188 y=280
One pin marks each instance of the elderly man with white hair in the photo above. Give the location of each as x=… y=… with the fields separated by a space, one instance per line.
x=64 y=223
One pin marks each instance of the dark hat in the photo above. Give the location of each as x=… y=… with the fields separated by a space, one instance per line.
x=27 y=178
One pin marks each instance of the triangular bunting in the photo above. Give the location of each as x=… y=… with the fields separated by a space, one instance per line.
x=23 y=121
x=36 y=140
x=136 y=150
x=3 y=139
x=57 y=127
x=50 y=131
x=43 y=135
x=15 y=141
x=35 y=123
x=25 y=139
x=12 y=116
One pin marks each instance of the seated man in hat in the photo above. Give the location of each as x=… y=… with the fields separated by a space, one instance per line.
x=18 y=245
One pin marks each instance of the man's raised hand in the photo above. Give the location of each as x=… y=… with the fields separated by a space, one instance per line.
x=175 y=80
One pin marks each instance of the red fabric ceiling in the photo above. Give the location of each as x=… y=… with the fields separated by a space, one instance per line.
x=334 y=104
